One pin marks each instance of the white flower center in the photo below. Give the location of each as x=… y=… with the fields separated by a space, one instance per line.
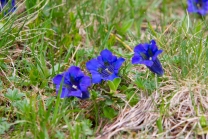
x=108 y=71
x=150 y=58
x=74 y=86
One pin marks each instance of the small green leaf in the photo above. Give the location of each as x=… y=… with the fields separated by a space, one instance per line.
x=133 y=100
x=203 y=121
x=109 y=112
x=140 y=83
x=108 y=102
x=4 y=125
x=116 y=82
x=94 y=94
x=21 y=105
x=1 y=26
x=86 y=124
x=127 y=25
x=162 y=107
x=14 y=95
x=159 y=125
x=111 y=86
x=33 y=75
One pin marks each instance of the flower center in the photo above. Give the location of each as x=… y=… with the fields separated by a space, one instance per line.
x=199 y=4
x=147 y=55
x=106 y=70
x=74 y=86
x=144 y=56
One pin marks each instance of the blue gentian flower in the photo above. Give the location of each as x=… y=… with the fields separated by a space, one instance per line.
x=5 y=2
x=74 y=83
x=147 y=54
x=198 y=6
x=104 y=67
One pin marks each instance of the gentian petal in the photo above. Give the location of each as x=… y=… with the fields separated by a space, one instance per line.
x=3 y=3
x=100 y=60
x=11 y=4
x=136 y=59
x=118 y=64
x=96 y=77
x=57 y=79
x=93 y=64
x=112 y=77
x=139 y=49
x=191 y=6
x=107 y=56
x=156 y=67
x=202 y=12
x=13 y=8
x=76 y=93
x=74 y=72
x=153 y=46
x=156 y=54
x=147 y=62
x=85 y=95
x=198 y=6
x=85 y=82
x=152 y=42
x=64 y=91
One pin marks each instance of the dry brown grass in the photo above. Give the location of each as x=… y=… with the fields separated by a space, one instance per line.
x=185 y=102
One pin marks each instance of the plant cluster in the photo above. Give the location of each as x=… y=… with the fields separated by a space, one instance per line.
x=74 y=82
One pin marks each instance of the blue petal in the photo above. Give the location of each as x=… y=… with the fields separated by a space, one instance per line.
x=57 y=79
x=202 y=10
x=152 y=42
x=111 y=77
x=118 y=64
x=136 y=59
x=3 y=3
x=74 y=72
x=156 y=67
x=13 y=3
x=93 y=65
x=191 y=6
x=76 y=93
x=100 y=60
x=139 y=49
x=64 y=91
x=85 y=83
x=85 y=95
x=156 y=54
x=107 y=56
x=147 y=62
x=96 y=77
x=153 y=46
